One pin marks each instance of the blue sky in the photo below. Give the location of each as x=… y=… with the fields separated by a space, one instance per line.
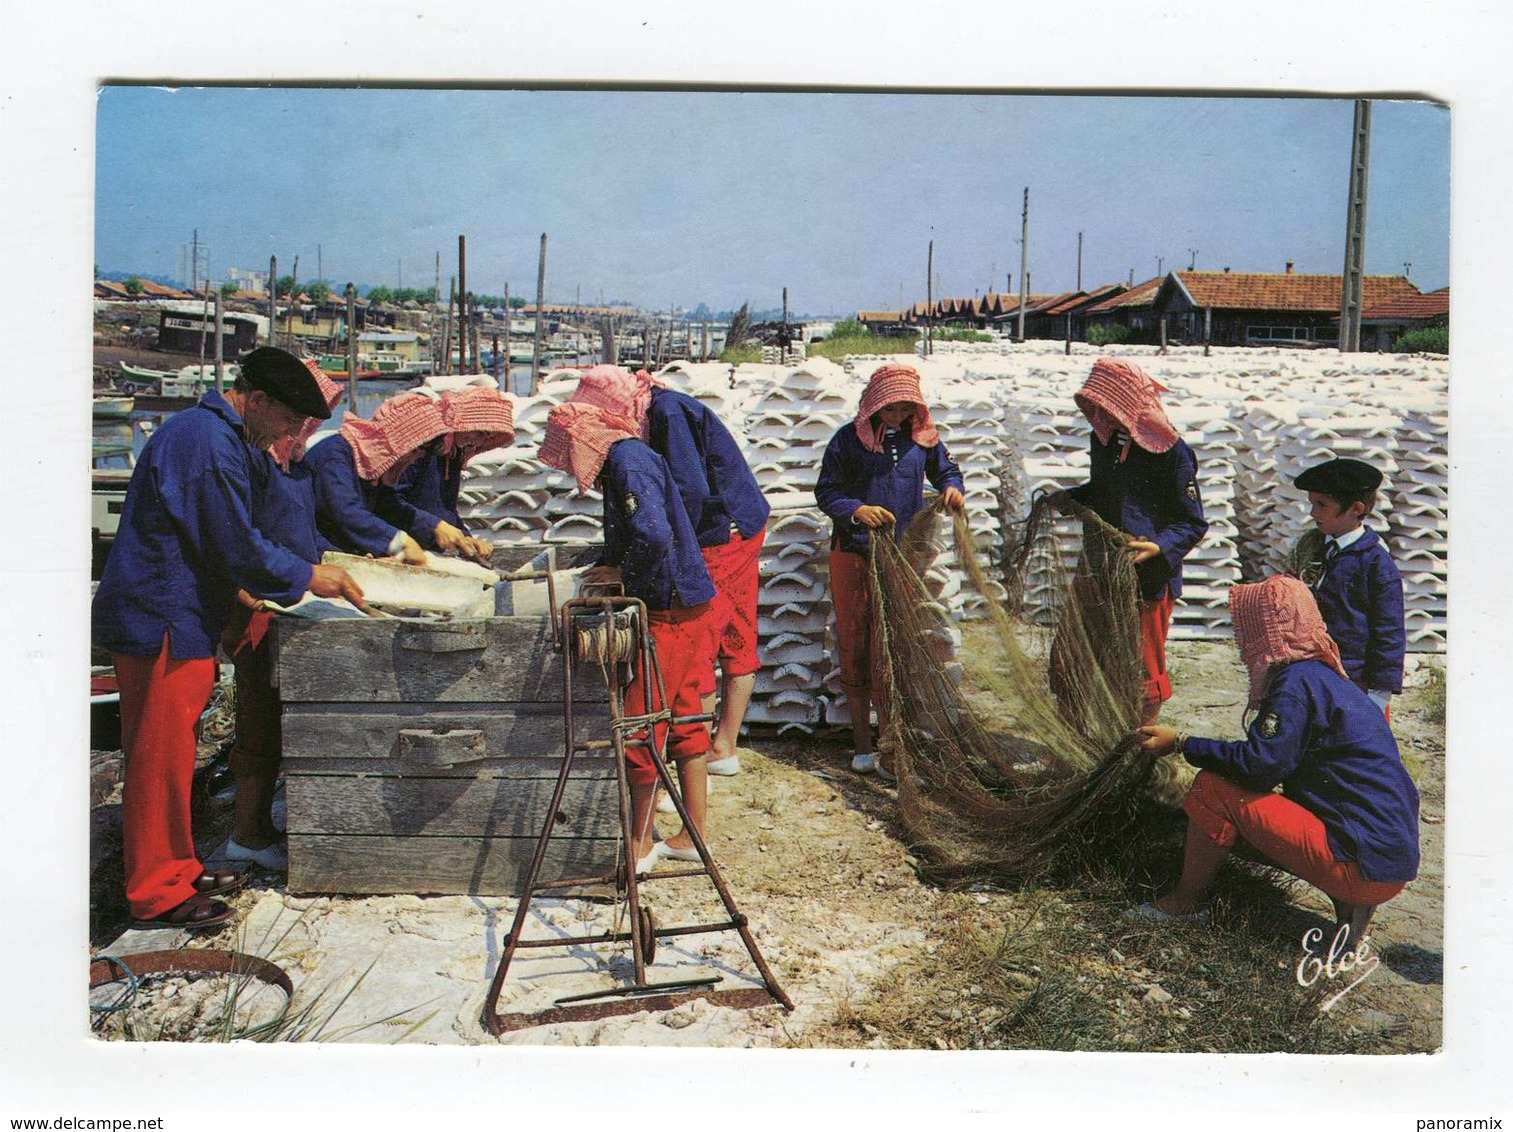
x=680 y=197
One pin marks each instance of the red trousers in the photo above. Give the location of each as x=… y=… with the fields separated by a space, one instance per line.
x=858 y=636
x=735 y=570
x=1155 y=622
x=256 y=752
x=685 y=651
x=161 y=701
x=1284 y=831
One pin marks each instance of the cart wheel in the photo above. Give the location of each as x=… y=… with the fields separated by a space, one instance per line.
x=648 y=932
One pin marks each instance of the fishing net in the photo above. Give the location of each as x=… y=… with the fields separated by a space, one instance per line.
x=1030 y=767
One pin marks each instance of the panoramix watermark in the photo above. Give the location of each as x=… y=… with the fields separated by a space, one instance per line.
x=1339 y=962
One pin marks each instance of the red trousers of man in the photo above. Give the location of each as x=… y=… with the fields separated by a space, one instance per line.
x=161 y=702
x=685 y=652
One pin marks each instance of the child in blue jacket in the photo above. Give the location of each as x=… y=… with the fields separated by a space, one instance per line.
x=1346 y=819
x=873 y=474
x=1143 y=481
x=1354 y=580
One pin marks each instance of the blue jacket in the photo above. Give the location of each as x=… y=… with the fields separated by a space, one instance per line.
x=283 y=507
x=187 y=542
x=1361 y=598
x=1330 y=748
x=1152 y=495
x=646 y=531
x=425 y=495
x=712 y=475
x=851 y=476
x=344 y=504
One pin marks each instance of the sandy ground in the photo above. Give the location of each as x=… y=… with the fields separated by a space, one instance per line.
x=811 y=855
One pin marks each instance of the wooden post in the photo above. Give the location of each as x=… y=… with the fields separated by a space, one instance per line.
x=463 y=321
x=272 y=295
x=930 y=301
x=220 y=348
x=1024 y=261
x=1208 y=329
x=509 y=380
x=1069 y=334
x=540 y=303
x=1161 y=328
x=289 y=316
x=352 y=348
x=446 y=340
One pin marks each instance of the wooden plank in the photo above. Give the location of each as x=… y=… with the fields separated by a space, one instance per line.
x=480 y=866
x=392 y=660
x=445 y=807
x=368 y=732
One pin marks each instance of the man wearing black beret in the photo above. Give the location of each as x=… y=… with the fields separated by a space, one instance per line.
x=185 y=546
x=1354 y=580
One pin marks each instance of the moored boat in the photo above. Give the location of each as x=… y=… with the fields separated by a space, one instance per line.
x=113 y=406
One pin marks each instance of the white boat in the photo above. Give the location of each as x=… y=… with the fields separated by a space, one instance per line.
x=196 y=380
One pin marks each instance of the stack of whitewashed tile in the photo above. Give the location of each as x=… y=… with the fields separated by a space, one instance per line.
x=1254 y=419
x=1212 y=566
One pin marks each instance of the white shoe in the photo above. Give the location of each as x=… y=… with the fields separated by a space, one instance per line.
x=725 y=767
x=274 y=857
x=649 y=862
x=673 y=853
x=279 y=813
x=864 y=763
x=1150 y=913
x=665 y=804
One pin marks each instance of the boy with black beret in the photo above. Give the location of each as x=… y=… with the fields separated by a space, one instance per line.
x=1354 y=580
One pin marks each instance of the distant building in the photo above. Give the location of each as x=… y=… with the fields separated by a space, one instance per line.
x=883 y=322
x=1267 y=308
x=1130 y=308
x=184 y=327
x=1381 y=325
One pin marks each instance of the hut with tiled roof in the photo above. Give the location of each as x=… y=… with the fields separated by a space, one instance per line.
x=1252 y=308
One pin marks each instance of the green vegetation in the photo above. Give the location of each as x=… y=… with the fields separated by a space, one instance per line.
x=1429 y=340
x=1434 y=693
x=838 y=345
x=318 y=292
x=745 y=352
x=228 y=289
x=1107 y=335
x=961 y=334
x=133 y=285
x=382 y=294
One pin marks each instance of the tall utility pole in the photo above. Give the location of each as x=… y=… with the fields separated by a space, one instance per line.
x=1192 y=264
x=320 y=265
x=1079 y=261
x=1024 y=261
x=1352 y=281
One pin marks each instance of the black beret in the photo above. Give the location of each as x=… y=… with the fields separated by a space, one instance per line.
x=285 y=378
x=1340 y=477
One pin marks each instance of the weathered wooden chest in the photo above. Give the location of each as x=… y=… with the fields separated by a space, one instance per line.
x=421 y=756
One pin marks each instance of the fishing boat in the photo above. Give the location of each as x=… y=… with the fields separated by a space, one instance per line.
x=140 y=379
x=194 y=380
x=112 y=406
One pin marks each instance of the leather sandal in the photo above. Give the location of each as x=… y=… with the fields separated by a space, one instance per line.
x=197 y=912
x=218 y=882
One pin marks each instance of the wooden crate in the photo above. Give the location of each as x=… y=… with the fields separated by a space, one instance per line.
x=421 y=757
